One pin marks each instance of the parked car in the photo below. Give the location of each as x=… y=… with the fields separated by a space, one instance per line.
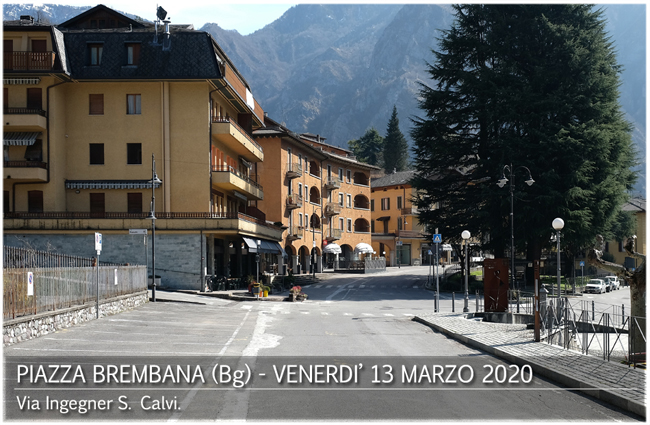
x=613 y=282
x=596 y=286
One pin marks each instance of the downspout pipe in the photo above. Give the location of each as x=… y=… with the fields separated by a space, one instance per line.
x=210 y=102
x=49 y=159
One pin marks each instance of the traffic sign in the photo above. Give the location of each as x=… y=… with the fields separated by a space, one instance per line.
x=137 y=231
x=582 y=264
x=98 y=242
x=430 y=252
x=30 y=284
x=399 y=243
x=437 y=238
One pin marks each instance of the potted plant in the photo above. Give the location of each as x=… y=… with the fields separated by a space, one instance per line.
x=266 y=291
x=297 y=294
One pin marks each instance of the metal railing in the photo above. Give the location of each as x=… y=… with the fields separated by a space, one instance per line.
x=28 y=61
x=237 y=173
x=332 y=208
x=25 y=164
x=294 y=169
x=61 y=281
x=335 y=234
x=25 y=111
x=294 y=200
x=229 y=120
x=295 y=232
x=333 y=183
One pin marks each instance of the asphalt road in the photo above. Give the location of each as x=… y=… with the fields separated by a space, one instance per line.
x=349 y=320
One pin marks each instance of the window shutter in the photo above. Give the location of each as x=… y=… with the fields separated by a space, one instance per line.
x=97 y=203
x=35 y=201
x=34 y=99
x=96 y=102
x=134 y=202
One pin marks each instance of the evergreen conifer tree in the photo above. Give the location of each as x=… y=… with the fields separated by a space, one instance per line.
x=369 y=148
x=395 y=146
x=531 y=86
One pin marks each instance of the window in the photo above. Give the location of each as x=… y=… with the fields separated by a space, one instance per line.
x=134 y=153
x=299 y=189
x=34 y=99
x=35 y=201
x=372 y=226
x=96 y=104
x=399 y=202
x=349 y=225
x=95 y=53
x=341 y=174
x=5 y=97
x=300 y=220
x=340 y=199
x=621 y=248
x=385 y=204
x=97 y=203
x=35 y=152
x=329 y=171
x=372 y=205
x=306 y=193
x=134 y=202
x=96 y=153
x=133 y=104
x=349 y=199
x=133 y=54
x=399 y=223
x=349 y=175
x=341 y=225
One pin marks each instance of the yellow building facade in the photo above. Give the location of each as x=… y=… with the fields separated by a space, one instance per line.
x=396 y=232
x=635 y=206
x=321 y=197
x=89 y=103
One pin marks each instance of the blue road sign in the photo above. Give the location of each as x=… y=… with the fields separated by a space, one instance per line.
x=582 y=264
x=437 y=238
x=430 y=252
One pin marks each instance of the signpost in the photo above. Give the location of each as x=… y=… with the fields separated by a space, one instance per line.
x=582 y=279
x=30 y=284
x=437 y=239
x=98 y=248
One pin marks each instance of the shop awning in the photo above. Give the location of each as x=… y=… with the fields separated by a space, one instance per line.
x=109 y=184
x=332 y=248
x=266 y=246
x=20 y=138
x=383 y=218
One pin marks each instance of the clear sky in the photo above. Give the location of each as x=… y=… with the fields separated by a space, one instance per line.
x=245 y=17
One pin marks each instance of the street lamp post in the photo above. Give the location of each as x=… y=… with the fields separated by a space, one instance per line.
x=257 y=259
x=558 y=224
x=466 y=235
x=152 y=216
x=502 y=182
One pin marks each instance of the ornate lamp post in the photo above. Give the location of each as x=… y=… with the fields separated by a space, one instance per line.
x=502 y=182
x=466 y=235
x=152 y=216
x=558 y=224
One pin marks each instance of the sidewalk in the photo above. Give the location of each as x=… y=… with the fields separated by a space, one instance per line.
x=611 y=382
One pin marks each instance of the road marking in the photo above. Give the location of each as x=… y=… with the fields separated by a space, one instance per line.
x=408 y=314
x=318 y=286
x=362 y=286
x=329 y=286
x=325 y=314
x=388 y=314
x=347 y=314
x=367 y=314
x=246 y=307
x=304 y=312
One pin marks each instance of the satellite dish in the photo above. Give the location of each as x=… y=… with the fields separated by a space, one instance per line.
x=161 y=13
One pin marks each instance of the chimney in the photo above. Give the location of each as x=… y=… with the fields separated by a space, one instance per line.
x=26 y=19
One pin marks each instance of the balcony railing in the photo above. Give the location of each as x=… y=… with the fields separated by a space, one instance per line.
x=25 y=164
x=295 y=232
x=28 y=61
x=410 y=211
x=333 y=183
x=136 y=216
x=236 y=172
x=25 y=111
x=335 y=234
x=332 y=208
x=294 y=201
x=294 y=170
x=238 y=127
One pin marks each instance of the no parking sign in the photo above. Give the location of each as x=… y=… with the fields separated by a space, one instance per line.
x=30 y=284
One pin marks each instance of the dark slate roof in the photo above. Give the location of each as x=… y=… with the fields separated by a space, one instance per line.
x=191 y=55
x=98 y=9
x=400 y=177
x=57 y=36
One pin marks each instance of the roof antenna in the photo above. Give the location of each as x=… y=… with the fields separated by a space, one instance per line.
x=160 y=14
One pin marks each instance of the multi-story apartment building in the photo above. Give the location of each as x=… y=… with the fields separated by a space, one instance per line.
x=396 y=232
x=635 y=206
x=89 y=103
x=321 y=195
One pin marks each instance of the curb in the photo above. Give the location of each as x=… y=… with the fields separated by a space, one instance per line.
x=601 y=394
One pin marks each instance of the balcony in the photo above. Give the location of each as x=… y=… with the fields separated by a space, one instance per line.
x=294 y=201
x=295 y=170
x=333 y=183
x=410 y=211
x=35 y=171
x=25 y=119
x=294 y=232
x=172 y=221
x=227 y=131
x=28 y=61
x=229 y=178
x=332 y=208
x=335 y=235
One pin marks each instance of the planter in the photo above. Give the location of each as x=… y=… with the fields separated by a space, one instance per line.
x=266 y=294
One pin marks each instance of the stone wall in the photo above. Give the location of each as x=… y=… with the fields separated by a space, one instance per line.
x=178 y=256
x=30 y=327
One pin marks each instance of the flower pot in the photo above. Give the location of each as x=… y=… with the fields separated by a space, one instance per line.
x=266 y=294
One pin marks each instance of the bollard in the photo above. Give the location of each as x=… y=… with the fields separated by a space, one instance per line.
x=435 y=301
x=477 y=301
x=622 y=314
x=453 y=302
x=517 y=301
x=593 y=311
